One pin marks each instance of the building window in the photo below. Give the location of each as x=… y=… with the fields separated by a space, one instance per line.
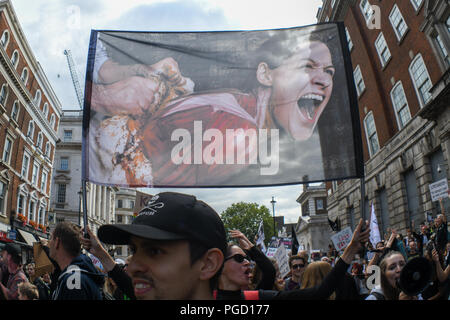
x=442 y=50
x=24 y=76
x=305 y=209
x=45 y=110
x=20 y=202
x=30 y=132
x=35 y=174
x=15 y=111
x=119 y=204
x=15 y=59
x=44 y=182
x=31 y=211
x=41 y=215
x=7 y=150
x=366 y=9
x=67 y=135
x=421 y=79
x=119 y=218
x=52 y=121
x=25 y=165
x=349 y=39
x=320 y=204
x=37 y=98
x=47 y=149
x=3 y=94
x=3 y=190
x=359 y=81
x=61 y=193
x=39 y=140
x=4 y=40
x=334 y=185
x=400 y=105
x=131 y=204
x=416 y=4
x=398 y=23
x=382 y=49
x=64 y=164
x=371 y=134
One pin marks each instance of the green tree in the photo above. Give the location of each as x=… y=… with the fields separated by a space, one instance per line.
x=246 y=218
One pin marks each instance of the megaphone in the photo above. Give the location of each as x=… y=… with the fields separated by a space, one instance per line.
x=415 y=276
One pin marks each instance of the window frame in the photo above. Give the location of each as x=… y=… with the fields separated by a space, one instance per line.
x=381 y=50
x=15 y=62
x=7 y=151
x=372 y=152
x=5 y=45
x=397 y=112
x=356 y=72
x=421 y=98
x=395 y=9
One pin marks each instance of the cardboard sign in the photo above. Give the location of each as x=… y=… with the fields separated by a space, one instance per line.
x=282 y=259
x=342 y=239
x=42 y=262
x=439 y=190
x=271 y=252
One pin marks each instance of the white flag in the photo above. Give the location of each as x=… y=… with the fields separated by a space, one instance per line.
x=261 y=237
x=374 y=230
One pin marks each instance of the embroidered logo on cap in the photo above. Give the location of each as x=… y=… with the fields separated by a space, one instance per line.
x=151 y=207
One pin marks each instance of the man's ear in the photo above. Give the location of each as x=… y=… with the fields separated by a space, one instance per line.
x=212 y=262
x=263 y=74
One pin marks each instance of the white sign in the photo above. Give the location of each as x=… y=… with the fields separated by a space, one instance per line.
x=439 y=190
x=342 y=239
x=271 y=252
x=282 y=259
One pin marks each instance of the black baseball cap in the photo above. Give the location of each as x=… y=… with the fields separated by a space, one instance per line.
x=171 y=216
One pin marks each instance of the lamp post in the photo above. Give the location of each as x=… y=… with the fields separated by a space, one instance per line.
x=79 y=207
x=273 y=211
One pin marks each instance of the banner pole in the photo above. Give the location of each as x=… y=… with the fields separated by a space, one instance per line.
x=85 y=220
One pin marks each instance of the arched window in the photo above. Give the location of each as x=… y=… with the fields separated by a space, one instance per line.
x=39 y=140
x=3 y=94
x=45 y=110
x=400 y=104
x=15 y=110
x=37 y=98
x=15 y=58
x=52 y=120
x=47 y=149
x=4 y=40
x=371 y=134
x=24 y=76
x=421 y=79
x=30 y=132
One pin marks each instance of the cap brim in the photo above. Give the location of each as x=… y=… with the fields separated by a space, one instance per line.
x=120 y=233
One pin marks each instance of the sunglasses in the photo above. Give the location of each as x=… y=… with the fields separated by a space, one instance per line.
x=297 y=266
x=239 y=258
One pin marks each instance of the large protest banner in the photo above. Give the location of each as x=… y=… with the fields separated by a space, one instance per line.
x=206 y=109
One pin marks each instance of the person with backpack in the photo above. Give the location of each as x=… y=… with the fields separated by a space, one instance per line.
x=79 y=279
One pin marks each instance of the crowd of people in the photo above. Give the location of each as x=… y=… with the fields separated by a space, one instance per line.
x=180 y=251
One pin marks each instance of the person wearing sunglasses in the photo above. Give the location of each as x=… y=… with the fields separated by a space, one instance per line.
x=238 y=269
x=323 y=291
x=298 y=266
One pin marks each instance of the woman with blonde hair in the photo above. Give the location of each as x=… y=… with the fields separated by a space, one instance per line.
x=314 y=274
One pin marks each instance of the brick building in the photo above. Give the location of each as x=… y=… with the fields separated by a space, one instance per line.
x=400 y=56
x=29 y=119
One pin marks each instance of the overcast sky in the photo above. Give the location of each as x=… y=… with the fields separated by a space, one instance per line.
x=51 y=26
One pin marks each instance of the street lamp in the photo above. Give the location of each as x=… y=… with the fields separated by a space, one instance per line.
x=79 y=207
x=273 y=211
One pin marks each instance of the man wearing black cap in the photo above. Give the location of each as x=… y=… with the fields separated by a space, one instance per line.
x=12 y=257
x=178 y=245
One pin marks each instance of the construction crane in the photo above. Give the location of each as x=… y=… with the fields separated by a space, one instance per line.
x=75 y=81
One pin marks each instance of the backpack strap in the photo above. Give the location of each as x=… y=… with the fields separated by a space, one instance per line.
x=251 y=294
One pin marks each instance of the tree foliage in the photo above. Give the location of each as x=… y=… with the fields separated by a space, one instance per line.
x=246 y=218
